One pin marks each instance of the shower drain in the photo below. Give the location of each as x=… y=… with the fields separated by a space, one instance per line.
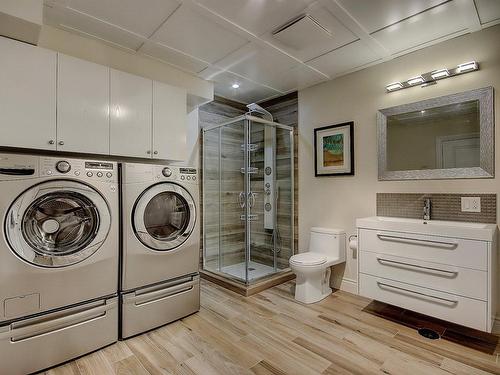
x=428 y=333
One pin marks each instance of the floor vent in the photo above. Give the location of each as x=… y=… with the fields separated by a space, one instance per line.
x=428 y=333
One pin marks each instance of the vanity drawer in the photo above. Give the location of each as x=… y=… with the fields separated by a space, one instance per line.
x=445 y=250
x=452 y=279
x=461 y=310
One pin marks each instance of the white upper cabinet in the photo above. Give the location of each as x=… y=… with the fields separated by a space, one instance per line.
x=130 y=115
x=27 y=96
x=169 y=122
x=82 y=106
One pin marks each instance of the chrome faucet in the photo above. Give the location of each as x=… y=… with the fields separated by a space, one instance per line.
x=427 y=209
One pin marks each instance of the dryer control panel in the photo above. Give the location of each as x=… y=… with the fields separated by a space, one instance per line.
x=179 y=174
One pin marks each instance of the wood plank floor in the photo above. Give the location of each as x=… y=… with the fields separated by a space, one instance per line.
x=270 y=333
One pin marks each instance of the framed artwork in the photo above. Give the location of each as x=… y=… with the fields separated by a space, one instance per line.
x=334 y=150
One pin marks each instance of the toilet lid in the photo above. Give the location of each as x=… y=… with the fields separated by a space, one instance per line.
x=309 y=259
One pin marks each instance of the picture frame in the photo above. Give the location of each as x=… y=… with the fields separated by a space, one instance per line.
x=334 y=150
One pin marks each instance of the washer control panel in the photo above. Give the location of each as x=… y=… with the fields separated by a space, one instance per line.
x=82 y=169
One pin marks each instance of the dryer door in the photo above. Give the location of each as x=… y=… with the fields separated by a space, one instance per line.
x=57 y=223
x=164 y=216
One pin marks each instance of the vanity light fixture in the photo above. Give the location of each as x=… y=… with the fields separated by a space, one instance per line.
x=394 y=86
x=441 y=73
x=415 y=80
x=465 y=67
x=235 y=85
x=431 y=78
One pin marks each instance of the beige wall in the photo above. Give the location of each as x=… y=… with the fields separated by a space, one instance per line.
x=338 y=201
x=101 y=53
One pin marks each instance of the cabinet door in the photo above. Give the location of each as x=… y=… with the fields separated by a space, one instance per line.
x=82 y=106
x=27 y=96
x=130 y=115
x=169 y=122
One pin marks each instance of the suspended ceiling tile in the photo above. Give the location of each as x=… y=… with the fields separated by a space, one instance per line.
x=304 y=42
x=260 y=63
x=190 y=32
x=75 y=21
x=173 y=57
x=141 y=17
x=344 y=59
x=297 y=78
x=489 y=10
x=258 y=16
x=375 y=14
x=248 y=92
x=438 y=22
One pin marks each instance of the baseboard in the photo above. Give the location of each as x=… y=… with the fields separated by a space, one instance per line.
x=349 y=285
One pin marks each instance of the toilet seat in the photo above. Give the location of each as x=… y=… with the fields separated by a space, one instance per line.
x=308 y=259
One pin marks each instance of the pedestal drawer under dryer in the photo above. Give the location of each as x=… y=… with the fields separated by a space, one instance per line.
x=451 y=279
x=451 y=251
x=461 y=310
x=151 y=307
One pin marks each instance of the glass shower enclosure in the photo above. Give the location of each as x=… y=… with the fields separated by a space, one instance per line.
x=248 y=195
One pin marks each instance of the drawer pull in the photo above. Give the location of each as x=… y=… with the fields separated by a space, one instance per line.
x=416 y=267
x=440 y=300
x=386 y=237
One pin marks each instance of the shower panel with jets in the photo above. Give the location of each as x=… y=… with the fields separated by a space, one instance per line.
x=248 y=193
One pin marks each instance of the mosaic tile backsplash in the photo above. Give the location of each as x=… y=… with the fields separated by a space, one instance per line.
x=444 y=206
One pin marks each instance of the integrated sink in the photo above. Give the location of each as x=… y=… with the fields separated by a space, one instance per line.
x=479 y=231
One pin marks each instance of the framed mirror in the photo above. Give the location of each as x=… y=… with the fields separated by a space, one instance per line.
x=441 y=138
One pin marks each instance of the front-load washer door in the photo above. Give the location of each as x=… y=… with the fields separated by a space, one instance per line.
x=57 y=223
x=164 y=216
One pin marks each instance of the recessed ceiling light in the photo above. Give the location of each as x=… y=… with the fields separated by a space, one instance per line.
x=235 y=85
x=441 y=73
x=394 y=86
x=415 y=80
x=471 y=65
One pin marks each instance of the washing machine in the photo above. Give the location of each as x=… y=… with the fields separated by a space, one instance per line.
x=58 y=260
x=160 y=247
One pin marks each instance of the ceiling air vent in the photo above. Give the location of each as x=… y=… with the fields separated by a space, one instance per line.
x=302 y=32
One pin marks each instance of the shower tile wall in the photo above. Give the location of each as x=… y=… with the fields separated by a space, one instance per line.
x=232 y=231
x=285 y=111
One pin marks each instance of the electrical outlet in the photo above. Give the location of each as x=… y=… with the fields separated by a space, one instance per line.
x=471 y=204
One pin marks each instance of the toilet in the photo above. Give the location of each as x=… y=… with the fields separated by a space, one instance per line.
x=326 y=248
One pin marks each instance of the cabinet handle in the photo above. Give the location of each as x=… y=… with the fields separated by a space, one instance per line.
x=51 y=142
x=61 y=143
x=386 y=237
x=416 y=267
x=440 y=300
x=148 y=152
x=156 y=152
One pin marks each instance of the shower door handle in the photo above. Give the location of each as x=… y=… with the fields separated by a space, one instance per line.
x=251 y=199
x=241 y=199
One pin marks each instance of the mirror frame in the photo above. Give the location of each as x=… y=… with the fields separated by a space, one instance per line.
x=486 y=167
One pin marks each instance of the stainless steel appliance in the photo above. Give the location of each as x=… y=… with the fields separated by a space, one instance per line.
x=58 y=260
x=161 y=244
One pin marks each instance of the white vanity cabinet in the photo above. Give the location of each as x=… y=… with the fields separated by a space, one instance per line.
x=429 y=269
x=82 y=106
x=27 y=96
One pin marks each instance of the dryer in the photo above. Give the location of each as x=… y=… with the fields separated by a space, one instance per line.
x=161 y=246
x=58 y=259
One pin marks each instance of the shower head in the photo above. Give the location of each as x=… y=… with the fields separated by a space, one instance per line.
x=254 y=107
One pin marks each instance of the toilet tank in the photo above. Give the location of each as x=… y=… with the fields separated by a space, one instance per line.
x=327 y=241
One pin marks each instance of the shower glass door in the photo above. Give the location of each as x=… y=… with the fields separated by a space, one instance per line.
x=247 y=199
